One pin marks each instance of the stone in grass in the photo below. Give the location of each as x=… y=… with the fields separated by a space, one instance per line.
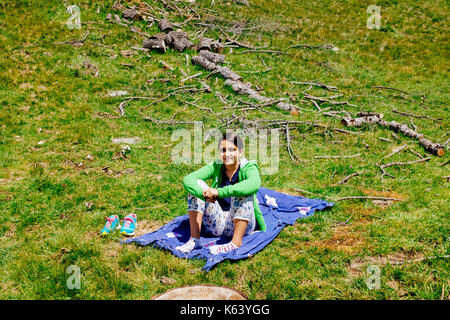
x=89 y=205
x=125 y=140
x=125 y=150
x=168 y=281
x=117 y=93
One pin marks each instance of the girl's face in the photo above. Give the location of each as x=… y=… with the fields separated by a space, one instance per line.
x=229 y=152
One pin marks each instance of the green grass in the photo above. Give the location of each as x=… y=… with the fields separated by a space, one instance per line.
x=46 y=94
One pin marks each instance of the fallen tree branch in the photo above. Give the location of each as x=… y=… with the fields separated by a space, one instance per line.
x=169 y=122
x=429 y=146
x=420 y=259
x=367 y=198
x=191 y=77
x=415 y=116
x=318 y=84
x=263 y=51
x=396 y=151
x=387 y=165
x=347 y=178
x=322 y=47
x=314 y=193
x=291 y=152
x=389 y=88
x=385 y=139
x=327 y=100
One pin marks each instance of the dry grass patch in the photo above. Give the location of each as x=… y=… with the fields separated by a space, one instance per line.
x=344 y=239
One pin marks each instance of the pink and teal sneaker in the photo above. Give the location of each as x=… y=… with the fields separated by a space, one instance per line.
x=112 y=222
x=129 y=225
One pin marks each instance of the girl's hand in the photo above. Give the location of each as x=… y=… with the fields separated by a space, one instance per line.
x=211 y=195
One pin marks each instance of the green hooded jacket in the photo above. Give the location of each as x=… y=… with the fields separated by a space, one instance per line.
x=249 y=183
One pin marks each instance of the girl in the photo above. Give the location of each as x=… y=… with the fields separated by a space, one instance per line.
x=230 y=207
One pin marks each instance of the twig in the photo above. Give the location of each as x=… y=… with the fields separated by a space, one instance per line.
x=194 y=105
x=412 y=124
x=322 y=47
x=190 y=77
x=396 y=151
x=263 y=51
x=70 y=41
x=291 y=152
x=445 y=163
x=240 y=44
x=387 y=165
x=388 y=88
x=166 y=65
x=176 y=91
x=346 y=131
x=340 y=223
x=367 y=198
x=416 y=153
x=415 y=116
x=304 y=191
x=347 y=178
x=327 y=99
x=421 y=259
x=121 y=106
x=335 y=157
x=170 y=122
x=318 y=84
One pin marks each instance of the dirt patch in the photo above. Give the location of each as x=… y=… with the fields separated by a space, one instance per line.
x=344 y=239
x=360 y=215
x=11 y=231
x=147 y=226
x=92 y=234
x=112 y=249
x=386 y=194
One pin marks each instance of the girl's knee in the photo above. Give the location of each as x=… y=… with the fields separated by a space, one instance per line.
x=195 y=204
x=243 y=204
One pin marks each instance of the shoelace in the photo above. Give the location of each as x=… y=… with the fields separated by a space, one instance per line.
x=109 y=222
x=128 y=221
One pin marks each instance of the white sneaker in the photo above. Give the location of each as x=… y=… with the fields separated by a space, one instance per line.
x=192 y=244
x=222 y=248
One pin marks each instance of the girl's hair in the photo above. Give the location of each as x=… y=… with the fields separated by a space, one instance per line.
x=233 y=138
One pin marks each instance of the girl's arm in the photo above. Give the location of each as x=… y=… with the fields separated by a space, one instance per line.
x=190 y=182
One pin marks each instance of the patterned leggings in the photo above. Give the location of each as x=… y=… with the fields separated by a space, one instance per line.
x=219 y=222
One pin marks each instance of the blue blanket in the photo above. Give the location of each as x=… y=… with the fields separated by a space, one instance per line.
x=278 y=209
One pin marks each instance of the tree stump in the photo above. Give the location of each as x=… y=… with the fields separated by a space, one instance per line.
x=227 y=73
x=165 y=25
x=431 y=147
x=131 y=14
x=205 y=63
x=155 y=42
x=212 y=56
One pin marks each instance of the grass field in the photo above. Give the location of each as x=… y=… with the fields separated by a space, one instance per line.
x=57 y=123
